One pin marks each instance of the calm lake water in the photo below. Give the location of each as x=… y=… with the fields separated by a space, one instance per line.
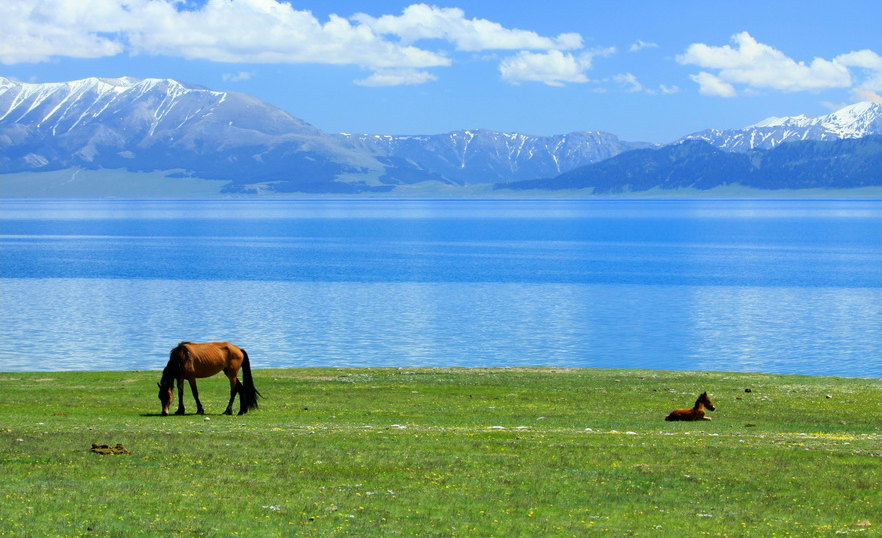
x=708 y=285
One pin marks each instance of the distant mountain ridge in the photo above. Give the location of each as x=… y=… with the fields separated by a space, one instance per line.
x=854 y=121
x=473 y=156
x=695 y=164
x=161 y=124
x=187 y=131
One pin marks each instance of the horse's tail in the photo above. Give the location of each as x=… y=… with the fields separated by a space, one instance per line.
x=248 y=393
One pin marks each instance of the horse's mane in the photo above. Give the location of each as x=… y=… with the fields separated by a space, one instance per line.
x=173 y=369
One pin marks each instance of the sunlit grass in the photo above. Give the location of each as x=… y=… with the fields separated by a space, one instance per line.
x=443 y=453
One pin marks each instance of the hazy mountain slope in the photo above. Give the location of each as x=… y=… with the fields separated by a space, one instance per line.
x=845 y=163
x=483 y=156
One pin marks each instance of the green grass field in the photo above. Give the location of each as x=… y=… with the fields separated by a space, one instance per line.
x=443 y=452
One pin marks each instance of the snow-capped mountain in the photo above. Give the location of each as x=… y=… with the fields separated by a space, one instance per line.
x=162 y=124
x=180 y=130
x=476 y=156
x=854 y=121
x=150 y=107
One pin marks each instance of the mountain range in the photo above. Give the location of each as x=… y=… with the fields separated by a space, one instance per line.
x=185 y=131
x=696 y=164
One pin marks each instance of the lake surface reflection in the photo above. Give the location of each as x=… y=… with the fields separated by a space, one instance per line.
x=764 y=286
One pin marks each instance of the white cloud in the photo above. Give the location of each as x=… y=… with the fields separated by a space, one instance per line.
x=237 y=77
x=267 y=31
x=755 y=66
x=631 y=85
x=35 y=31
x=553 y=68
x=421 y=21
x=629 y=81
x=709 y=84
x=870 y=64
x=640 y=45
x=257 y=31
x=396 y=77
x=866 y=95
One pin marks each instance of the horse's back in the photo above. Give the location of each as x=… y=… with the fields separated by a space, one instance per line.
x=213 y=348
x=207 y=359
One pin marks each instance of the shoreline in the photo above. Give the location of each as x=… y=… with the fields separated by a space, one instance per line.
x=477 y=370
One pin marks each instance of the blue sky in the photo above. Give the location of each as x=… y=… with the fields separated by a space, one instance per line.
x=642 y=70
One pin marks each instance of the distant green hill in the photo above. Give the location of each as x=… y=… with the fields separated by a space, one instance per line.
x=810 y=164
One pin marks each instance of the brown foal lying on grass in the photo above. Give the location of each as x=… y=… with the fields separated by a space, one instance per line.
x=696 y=413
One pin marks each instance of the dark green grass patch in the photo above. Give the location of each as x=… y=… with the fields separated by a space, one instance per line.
x=443 y=452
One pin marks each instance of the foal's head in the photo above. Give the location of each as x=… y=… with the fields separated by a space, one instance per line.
x=705 y=401
x=166 y=395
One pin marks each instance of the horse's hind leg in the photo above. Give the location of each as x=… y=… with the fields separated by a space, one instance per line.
x=199 y=409
x=234 y=387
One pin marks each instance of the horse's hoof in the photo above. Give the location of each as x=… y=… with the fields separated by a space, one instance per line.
x=165 y=414
x=227 y=412
x=200 y=411
x=242 y=412
x=179 y=412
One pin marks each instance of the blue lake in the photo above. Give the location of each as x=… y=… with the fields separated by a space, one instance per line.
x=710 y=285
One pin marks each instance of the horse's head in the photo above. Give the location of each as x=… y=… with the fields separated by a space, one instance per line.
x=166 y=395
x=706 y=401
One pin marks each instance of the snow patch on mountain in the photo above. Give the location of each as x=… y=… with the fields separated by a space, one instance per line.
x=854 y=121
x=480 y=155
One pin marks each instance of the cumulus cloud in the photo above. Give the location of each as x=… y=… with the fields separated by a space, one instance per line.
x=553 y=68
x=709 y=84
x=751 y=65
x=420 y=21
x=241 y=31
x=394 y=47
x=36 y=31
x=870 y=65
x=267 y=31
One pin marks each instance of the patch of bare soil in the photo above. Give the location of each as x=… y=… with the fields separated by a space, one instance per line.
x=107 y=449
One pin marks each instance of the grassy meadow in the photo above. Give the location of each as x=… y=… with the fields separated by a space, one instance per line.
x=443 y=452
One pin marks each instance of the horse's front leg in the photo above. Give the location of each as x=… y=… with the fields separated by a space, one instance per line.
x=180 y=410
x=199 y=409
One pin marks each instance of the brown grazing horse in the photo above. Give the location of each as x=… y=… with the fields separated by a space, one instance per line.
x=190 y=361
x=696 y=413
